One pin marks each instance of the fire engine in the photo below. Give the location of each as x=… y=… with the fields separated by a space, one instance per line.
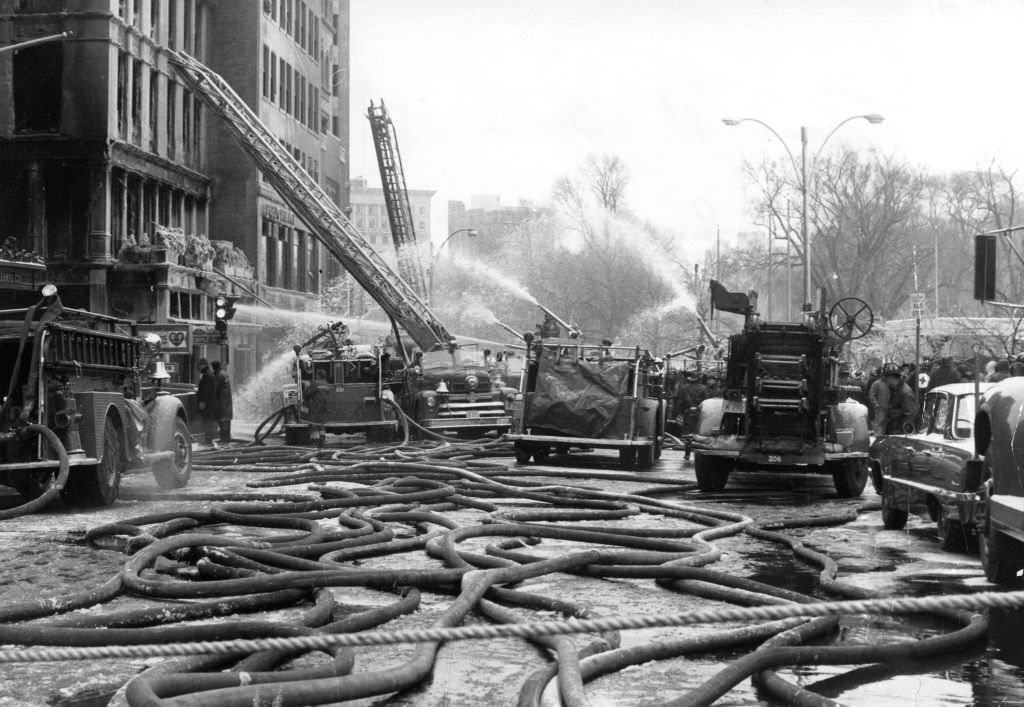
x=78 y=408
x=578 y=395
x=402 y=300
x=783 y=406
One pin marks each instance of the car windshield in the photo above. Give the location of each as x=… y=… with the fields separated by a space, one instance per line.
x=963 y=425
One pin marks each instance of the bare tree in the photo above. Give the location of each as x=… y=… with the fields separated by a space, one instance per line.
x=607 y=178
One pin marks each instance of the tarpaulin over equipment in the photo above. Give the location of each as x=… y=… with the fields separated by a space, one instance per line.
x=576 y=397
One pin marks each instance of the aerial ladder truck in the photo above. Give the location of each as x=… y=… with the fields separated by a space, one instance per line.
x=443 y=387
x=396 y=197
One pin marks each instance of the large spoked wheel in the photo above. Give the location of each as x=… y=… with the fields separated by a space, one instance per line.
x=850 y=318
x=849 y=477
x=174 y=473
x=712 y=472
x=98 y=485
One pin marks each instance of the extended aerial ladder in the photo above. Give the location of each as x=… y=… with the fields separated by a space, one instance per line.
x=392 y=178
x=400 y=301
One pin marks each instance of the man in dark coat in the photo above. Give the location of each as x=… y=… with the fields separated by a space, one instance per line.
x=944 y=374
x=206 y=401
x=222 y=392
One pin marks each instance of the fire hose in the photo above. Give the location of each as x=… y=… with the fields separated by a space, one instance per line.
x=56 y=484
x=287 y=558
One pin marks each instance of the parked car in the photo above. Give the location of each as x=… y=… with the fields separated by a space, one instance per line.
x=999 y=436
x=935 y=470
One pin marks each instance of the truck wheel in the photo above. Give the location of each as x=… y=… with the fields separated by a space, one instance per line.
x=850 y=476
x=627 y=457
x=893 y=518
x=522 y=454
x=174 y=473
x=98 y=485
x=645 y=458
x=999 y=557
x=33 y=484
x=712 y=472
x=952 y=533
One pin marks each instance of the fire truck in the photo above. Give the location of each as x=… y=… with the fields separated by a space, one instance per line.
x=784 y=407
x=458 y=403
x=79 y=409
x=579 y=395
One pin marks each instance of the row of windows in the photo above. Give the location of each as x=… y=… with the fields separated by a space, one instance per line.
x=297 y=20
x=291 y=258
x=182 y=19
x=179 y=134
x=291 y=90
x=139 y=206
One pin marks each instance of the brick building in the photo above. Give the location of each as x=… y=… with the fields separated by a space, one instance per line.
x=125 y=188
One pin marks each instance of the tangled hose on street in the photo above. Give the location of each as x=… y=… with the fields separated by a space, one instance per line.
x=56 y=484
x=440 y=519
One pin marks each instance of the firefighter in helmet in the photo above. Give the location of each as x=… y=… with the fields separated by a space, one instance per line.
x=688 y=399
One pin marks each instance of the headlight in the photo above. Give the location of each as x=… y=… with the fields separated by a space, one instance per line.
x=430 y=400
x=472 y=382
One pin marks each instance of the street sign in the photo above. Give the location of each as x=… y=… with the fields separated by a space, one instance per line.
x=917 y=302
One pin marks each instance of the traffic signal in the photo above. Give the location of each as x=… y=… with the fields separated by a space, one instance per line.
x=985 y=267
x=223 y=311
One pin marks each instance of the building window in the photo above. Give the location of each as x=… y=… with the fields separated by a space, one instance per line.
x=197 y=126
x=154 y=109
x=186 y=124
x=266 y=71
x=38 y=75
x=172 y=118
x=272 y=96
x=172 y=24
x=136 y=126
x=154 y=19
x=188 y=34
x=137 y=14
x=285 y=75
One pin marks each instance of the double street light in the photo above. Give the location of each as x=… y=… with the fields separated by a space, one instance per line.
x=802 y=174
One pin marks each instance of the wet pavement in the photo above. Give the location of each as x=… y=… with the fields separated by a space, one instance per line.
x=43 y=555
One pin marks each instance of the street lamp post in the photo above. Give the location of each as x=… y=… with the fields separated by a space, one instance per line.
x=802 y=175
x=470 y=233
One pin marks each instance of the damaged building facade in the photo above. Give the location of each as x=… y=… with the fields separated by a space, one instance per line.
x=121 y=188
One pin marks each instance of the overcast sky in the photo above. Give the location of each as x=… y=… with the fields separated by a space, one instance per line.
x=504 y=96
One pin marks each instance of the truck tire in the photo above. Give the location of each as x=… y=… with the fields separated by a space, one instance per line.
x=952 y=533
x=98 y=485
x=712 y=472
x=174 y=473
x=522 y=453
x=1000 y=557
x=645 y=458
x=627 y=457
x=850 y=476
x=893 y=518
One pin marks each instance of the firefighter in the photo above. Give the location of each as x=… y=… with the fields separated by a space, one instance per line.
x=688 y=399
x=206 y=401
x=222 y=392
x=893 y=403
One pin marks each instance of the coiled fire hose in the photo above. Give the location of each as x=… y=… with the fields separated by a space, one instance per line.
x=291 y=549
x=56 y=484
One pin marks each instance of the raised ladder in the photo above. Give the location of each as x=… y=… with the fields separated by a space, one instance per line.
x=392 y=178
x=305 y=197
